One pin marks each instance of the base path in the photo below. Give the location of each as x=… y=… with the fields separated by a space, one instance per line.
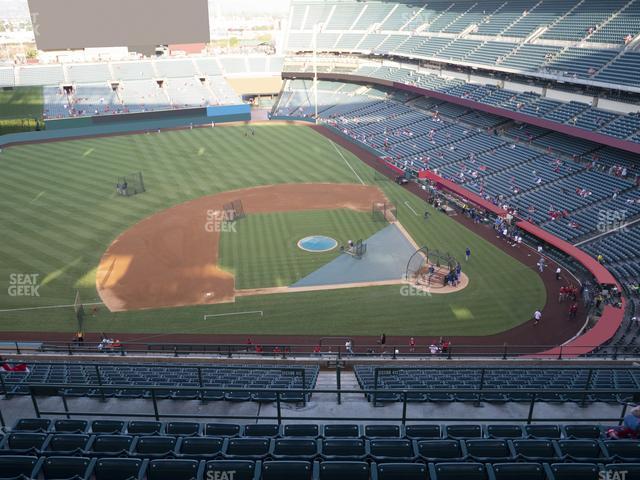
x=171 y=258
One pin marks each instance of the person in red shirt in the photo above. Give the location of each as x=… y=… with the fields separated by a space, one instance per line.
x=276 y=350
x=412 y=344
x=259 y=349
x=573 y=311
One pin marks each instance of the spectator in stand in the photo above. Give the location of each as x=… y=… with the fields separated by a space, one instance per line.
x=630 y=427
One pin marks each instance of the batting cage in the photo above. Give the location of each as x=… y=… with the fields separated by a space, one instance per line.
x=356 y=249
x=131 y=184
x=233 y=211
x=384 y=212
x=430 y=268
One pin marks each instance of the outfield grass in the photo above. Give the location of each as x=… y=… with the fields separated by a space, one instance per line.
x=19 y=109
x=59 y=213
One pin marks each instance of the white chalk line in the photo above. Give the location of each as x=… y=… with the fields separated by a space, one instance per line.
x=411 y=208
x=250 y=312
x=345 y=161
x=43 y=308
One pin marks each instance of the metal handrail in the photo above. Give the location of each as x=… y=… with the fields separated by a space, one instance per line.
x=280 y=417
x=390 y=350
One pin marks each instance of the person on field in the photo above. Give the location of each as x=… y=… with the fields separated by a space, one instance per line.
x=467 y=254
x=558 y=271
x=573 y=311
x=537 y=316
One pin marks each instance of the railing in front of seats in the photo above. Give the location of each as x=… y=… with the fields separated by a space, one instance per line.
x=280 y=417
x=328 y=351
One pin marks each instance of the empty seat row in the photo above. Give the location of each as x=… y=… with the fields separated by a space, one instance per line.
x=310 y=430
x=306 y=448
x=84 y=468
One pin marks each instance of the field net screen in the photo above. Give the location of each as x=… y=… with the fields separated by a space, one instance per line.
x=78 y=24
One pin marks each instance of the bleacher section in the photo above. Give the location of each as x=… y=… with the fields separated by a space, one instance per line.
x=84 y=379
x=526 y=35
x=121 y=87
x=548 y=381
x=552 y=179
x=182 y=450
x=572 y=113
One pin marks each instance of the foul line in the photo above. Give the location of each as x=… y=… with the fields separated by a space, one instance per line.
x=411 y=208
x=42 y=308
x=345 y=161
x=235 y=313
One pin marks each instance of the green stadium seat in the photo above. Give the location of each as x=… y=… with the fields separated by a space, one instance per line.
x=623 y=450
x=120 y=469
x=222 y=429
x=154 y=445
x=401 y=471
x=14 y=467
x=345 y=470
x=107 y=426
x=243 y=469
x=301 y=430
x=341 y=430
x=136 y=427
x=182 y=428
x=32 y=425
x=417 y=432
x=457 y=471
x=200 y=447
x=24 y=442
x=440 y=450
x=573 y=471
x=111 y=445
x=581 y=450
x=70 y=426
x=261 y=430
x=504 y=431
x=516 y=471
x=294 y=448
x=582 y=431
x=463 y=431
x=67 y=468
x=387 y=450
x=290 y=470
x=489 y=450
x=543 y=431
x=172 y=469
x=535 y=450
x=247 y=448
x=344 y=449
x=382 y=431
x=67 y=444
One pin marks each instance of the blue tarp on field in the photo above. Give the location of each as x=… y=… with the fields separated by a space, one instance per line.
x=388 y=252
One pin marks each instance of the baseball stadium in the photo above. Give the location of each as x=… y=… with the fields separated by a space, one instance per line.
x=320 y=239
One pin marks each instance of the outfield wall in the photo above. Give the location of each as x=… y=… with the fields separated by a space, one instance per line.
x=70 y=128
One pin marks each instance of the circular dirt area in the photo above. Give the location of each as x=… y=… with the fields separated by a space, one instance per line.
x=317 y=244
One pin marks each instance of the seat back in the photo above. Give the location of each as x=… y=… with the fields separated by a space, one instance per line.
x=301 y=430
x=13 y=466
x=171 y=469
x=118 y=468
x=290 y=470
x=344 y=470
x=242 y=469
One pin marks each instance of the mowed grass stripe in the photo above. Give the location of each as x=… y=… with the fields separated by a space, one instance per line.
x=79 y=203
